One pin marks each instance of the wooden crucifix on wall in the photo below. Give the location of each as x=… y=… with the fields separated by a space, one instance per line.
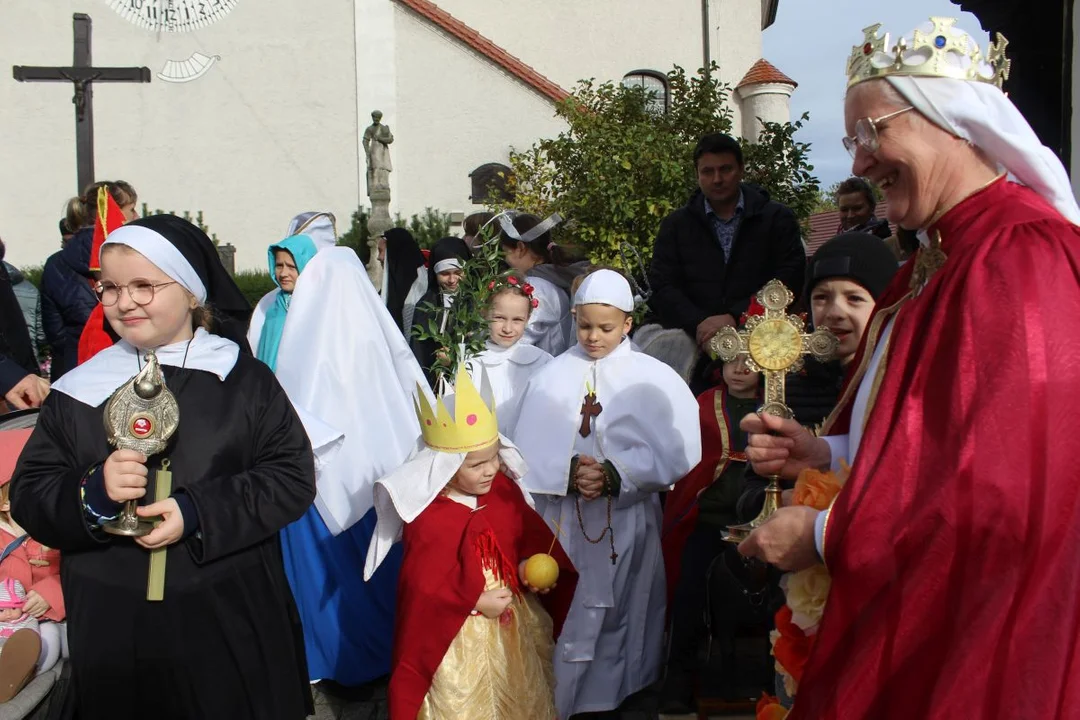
x=82 y=74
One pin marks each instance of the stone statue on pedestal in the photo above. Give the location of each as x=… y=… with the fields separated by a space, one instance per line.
x=377 y=139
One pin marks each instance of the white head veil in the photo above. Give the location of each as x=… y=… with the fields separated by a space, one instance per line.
x=402 y=495
x=344 y=361
x=982 y=114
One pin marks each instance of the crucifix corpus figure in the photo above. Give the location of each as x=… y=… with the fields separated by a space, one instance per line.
x=82 y=74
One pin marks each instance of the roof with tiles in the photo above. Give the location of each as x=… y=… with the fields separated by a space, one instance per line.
x=825 y=226
x=487 y=48
x=763 y=72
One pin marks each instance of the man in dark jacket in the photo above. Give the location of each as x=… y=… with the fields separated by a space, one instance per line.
x=67 y=298
x=20 y=387
x=713 y=255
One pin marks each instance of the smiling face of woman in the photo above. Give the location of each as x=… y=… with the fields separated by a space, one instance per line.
x=163 y=320
x=920 y=168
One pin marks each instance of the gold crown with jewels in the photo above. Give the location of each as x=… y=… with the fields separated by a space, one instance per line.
x=471 y=426
x=942 y=51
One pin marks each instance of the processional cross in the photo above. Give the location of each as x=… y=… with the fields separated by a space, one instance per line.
x=774 y=344
x=82 y=74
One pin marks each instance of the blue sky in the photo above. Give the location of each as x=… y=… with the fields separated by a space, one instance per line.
x=811 y=42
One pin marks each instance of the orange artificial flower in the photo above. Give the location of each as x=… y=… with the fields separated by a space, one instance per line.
x=792 y=648
x=816 y=489
x=769 y=708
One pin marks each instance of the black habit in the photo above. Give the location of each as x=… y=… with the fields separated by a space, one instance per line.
x=226 y=641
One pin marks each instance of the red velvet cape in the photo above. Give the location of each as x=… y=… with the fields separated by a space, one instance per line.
x=953 y=546
x=94 y=338
x=442 y=578
x=681 y=506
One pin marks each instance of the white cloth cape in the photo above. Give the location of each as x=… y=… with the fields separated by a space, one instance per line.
x=648 y=427
x=402 y=495
x=508 y=370
x=321 y=227
x=344 y=362
x=96 y=379
x=982 y=114
x=649 y=430
x=550 y=322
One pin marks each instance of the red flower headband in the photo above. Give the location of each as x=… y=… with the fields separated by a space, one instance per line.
x=512 y=281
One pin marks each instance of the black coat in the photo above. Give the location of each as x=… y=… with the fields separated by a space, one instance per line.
x=67 y=300
x=226 y=641
x=691 y=279
x=16 y=351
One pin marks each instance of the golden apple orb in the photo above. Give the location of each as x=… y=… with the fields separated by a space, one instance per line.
x=541 y=571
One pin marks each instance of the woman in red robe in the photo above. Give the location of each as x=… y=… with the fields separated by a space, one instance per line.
x=952 y=546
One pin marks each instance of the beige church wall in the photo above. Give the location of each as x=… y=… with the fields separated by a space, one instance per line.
x=567 y=40
x=456 y=111
x=267 y=132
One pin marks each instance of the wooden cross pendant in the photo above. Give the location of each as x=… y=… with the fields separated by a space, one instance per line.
x=590 y=408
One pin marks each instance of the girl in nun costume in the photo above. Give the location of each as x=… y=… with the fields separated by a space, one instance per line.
x=471 y=640
x=405 y=276
x=528 y=248
x=226 y=640
x=353 y=407
x=448 y=256
x=604 y=429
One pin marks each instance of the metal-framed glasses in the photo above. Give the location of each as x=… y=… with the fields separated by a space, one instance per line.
x=141 y=292
x=866 y=132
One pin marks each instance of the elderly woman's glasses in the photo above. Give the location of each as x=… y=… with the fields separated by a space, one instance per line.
x=141 y=292
x=866 y=132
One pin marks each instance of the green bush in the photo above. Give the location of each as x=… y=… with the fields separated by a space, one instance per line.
x=427 y=228
x=33 y=274
x=254 y=284
x=620 y=167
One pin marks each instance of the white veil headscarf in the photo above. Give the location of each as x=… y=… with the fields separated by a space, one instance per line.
x=402 y=495
x=982 y=114
x=344 y=361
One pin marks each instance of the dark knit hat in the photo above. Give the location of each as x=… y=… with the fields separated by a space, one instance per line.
x=857 y=256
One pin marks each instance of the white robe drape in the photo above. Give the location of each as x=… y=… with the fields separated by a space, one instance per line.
x=508 y=371
x=549 y=326
x=611 y=644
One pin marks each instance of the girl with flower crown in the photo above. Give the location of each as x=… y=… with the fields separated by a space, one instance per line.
x=508 y=361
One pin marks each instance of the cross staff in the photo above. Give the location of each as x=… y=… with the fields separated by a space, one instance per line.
x=774 y=344
x=82 y=74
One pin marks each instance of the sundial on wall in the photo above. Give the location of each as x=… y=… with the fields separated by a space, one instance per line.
x=172 y=15
x=176 y=16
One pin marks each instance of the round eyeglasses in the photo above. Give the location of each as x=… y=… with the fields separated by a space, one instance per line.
x=141 y=292
x=866 y=132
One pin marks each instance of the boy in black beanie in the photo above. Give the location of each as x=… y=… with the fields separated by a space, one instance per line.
x=845 y=278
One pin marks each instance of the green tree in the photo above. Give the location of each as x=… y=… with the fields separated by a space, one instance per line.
x=780 y=164
x=427 y=228
x=620 y=166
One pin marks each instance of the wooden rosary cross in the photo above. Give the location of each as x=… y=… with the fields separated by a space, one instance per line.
x=590 y=408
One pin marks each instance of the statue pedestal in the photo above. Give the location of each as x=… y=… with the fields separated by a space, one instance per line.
x=378 y=222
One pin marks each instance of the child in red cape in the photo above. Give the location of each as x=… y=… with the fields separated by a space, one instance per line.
x=471 y=638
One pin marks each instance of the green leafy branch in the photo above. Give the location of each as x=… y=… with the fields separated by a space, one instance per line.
x=467 y=328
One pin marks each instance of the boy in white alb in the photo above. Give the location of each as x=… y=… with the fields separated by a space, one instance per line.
x=603 y=430
x=508 y=361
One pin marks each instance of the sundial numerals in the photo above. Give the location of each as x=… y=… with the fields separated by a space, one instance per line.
x=172 y=15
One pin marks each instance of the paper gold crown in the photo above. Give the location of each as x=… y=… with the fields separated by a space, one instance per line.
x=942 y=51
x=471 y=427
